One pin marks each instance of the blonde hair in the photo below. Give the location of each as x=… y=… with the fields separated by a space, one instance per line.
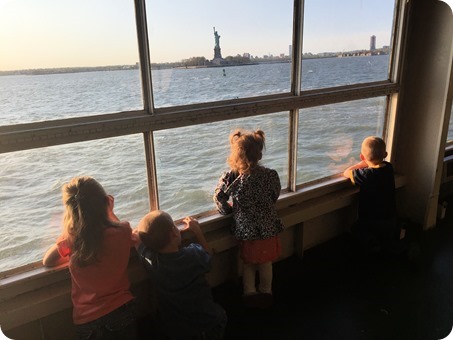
x=374 y=149
x=85 y=218
x=246 y=150
x=155 y=229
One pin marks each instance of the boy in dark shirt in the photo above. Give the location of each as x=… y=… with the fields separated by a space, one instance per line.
x=186 y=306
x=376 y=226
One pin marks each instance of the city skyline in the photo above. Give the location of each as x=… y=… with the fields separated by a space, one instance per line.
x=261 y=59
x=49 y=34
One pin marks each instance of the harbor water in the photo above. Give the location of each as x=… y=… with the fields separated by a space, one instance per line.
x=189 y=159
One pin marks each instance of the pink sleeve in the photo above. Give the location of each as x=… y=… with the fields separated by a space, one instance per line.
x=63 y=246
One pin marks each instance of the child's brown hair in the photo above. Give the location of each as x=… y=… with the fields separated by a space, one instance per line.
x=374 y=149
x=85 y=217
x=155 y=229
x=246 y=150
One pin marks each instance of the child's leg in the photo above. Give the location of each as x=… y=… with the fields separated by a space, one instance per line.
x=362 y=232
x=248 y=278
x=265 y=271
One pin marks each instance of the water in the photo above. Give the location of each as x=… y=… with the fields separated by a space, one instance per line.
x=189 y=159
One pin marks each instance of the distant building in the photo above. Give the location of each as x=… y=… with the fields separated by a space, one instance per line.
x=290 y=50
x=373 y=43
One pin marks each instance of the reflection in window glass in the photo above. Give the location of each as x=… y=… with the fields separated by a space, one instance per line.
x=330 y=136
x=191 y=159
x=48 y=47
x=30 y=191
x=329 y=72
x=346 y=42
x=199 y=47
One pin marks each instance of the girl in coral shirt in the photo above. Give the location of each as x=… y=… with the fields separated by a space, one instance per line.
x=97 y=246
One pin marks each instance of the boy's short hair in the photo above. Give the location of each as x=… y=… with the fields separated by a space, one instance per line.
x=374 y=149
x=155 y=229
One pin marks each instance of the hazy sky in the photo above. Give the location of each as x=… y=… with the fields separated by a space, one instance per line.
x=63 y=33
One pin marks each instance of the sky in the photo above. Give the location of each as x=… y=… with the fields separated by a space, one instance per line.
x=64 y=33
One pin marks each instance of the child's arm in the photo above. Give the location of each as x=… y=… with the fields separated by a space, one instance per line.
x=193 y=226
x=276 y=186
x=348 y=172
x=220 y=197
x=136 y=238
x=53 y=258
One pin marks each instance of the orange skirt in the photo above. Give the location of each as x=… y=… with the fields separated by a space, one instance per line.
x=260 y=251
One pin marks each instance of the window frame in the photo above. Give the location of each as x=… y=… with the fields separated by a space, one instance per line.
x=149 y=119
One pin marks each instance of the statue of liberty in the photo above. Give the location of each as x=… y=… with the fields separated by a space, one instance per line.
x=217 y=53
x=217 y=38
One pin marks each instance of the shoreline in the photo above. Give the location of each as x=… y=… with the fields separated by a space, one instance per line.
x=160 y=66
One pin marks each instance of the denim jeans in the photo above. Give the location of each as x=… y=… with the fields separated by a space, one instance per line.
x=119 y=324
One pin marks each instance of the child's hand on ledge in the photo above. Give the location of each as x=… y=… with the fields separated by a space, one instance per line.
x=191 y=224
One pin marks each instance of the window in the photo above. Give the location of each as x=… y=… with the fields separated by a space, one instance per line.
x=329 y=143
x=54 y=55
x=346 y=42
x=30 y=197
x=71 y=83
x=191 y=159
x=209 y=49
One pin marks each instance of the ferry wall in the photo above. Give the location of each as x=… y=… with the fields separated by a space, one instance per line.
x=37 y=304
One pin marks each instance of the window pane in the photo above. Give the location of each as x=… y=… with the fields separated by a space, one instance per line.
x=30 y=191
x=190 y=160
x=186 y=53
x=330 y=136
x=47 y=49
x=346 y=42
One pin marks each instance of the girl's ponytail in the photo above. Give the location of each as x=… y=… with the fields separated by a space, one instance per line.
x=260 y=138
x=85 y=217
x=235 y=136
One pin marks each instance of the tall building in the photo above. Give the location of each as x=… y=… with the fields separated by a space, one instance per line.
x=373 y=43
x=290 y=50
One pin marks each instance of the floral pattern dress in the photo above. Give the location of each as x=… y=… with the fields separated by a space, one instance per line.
x=253 y=196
